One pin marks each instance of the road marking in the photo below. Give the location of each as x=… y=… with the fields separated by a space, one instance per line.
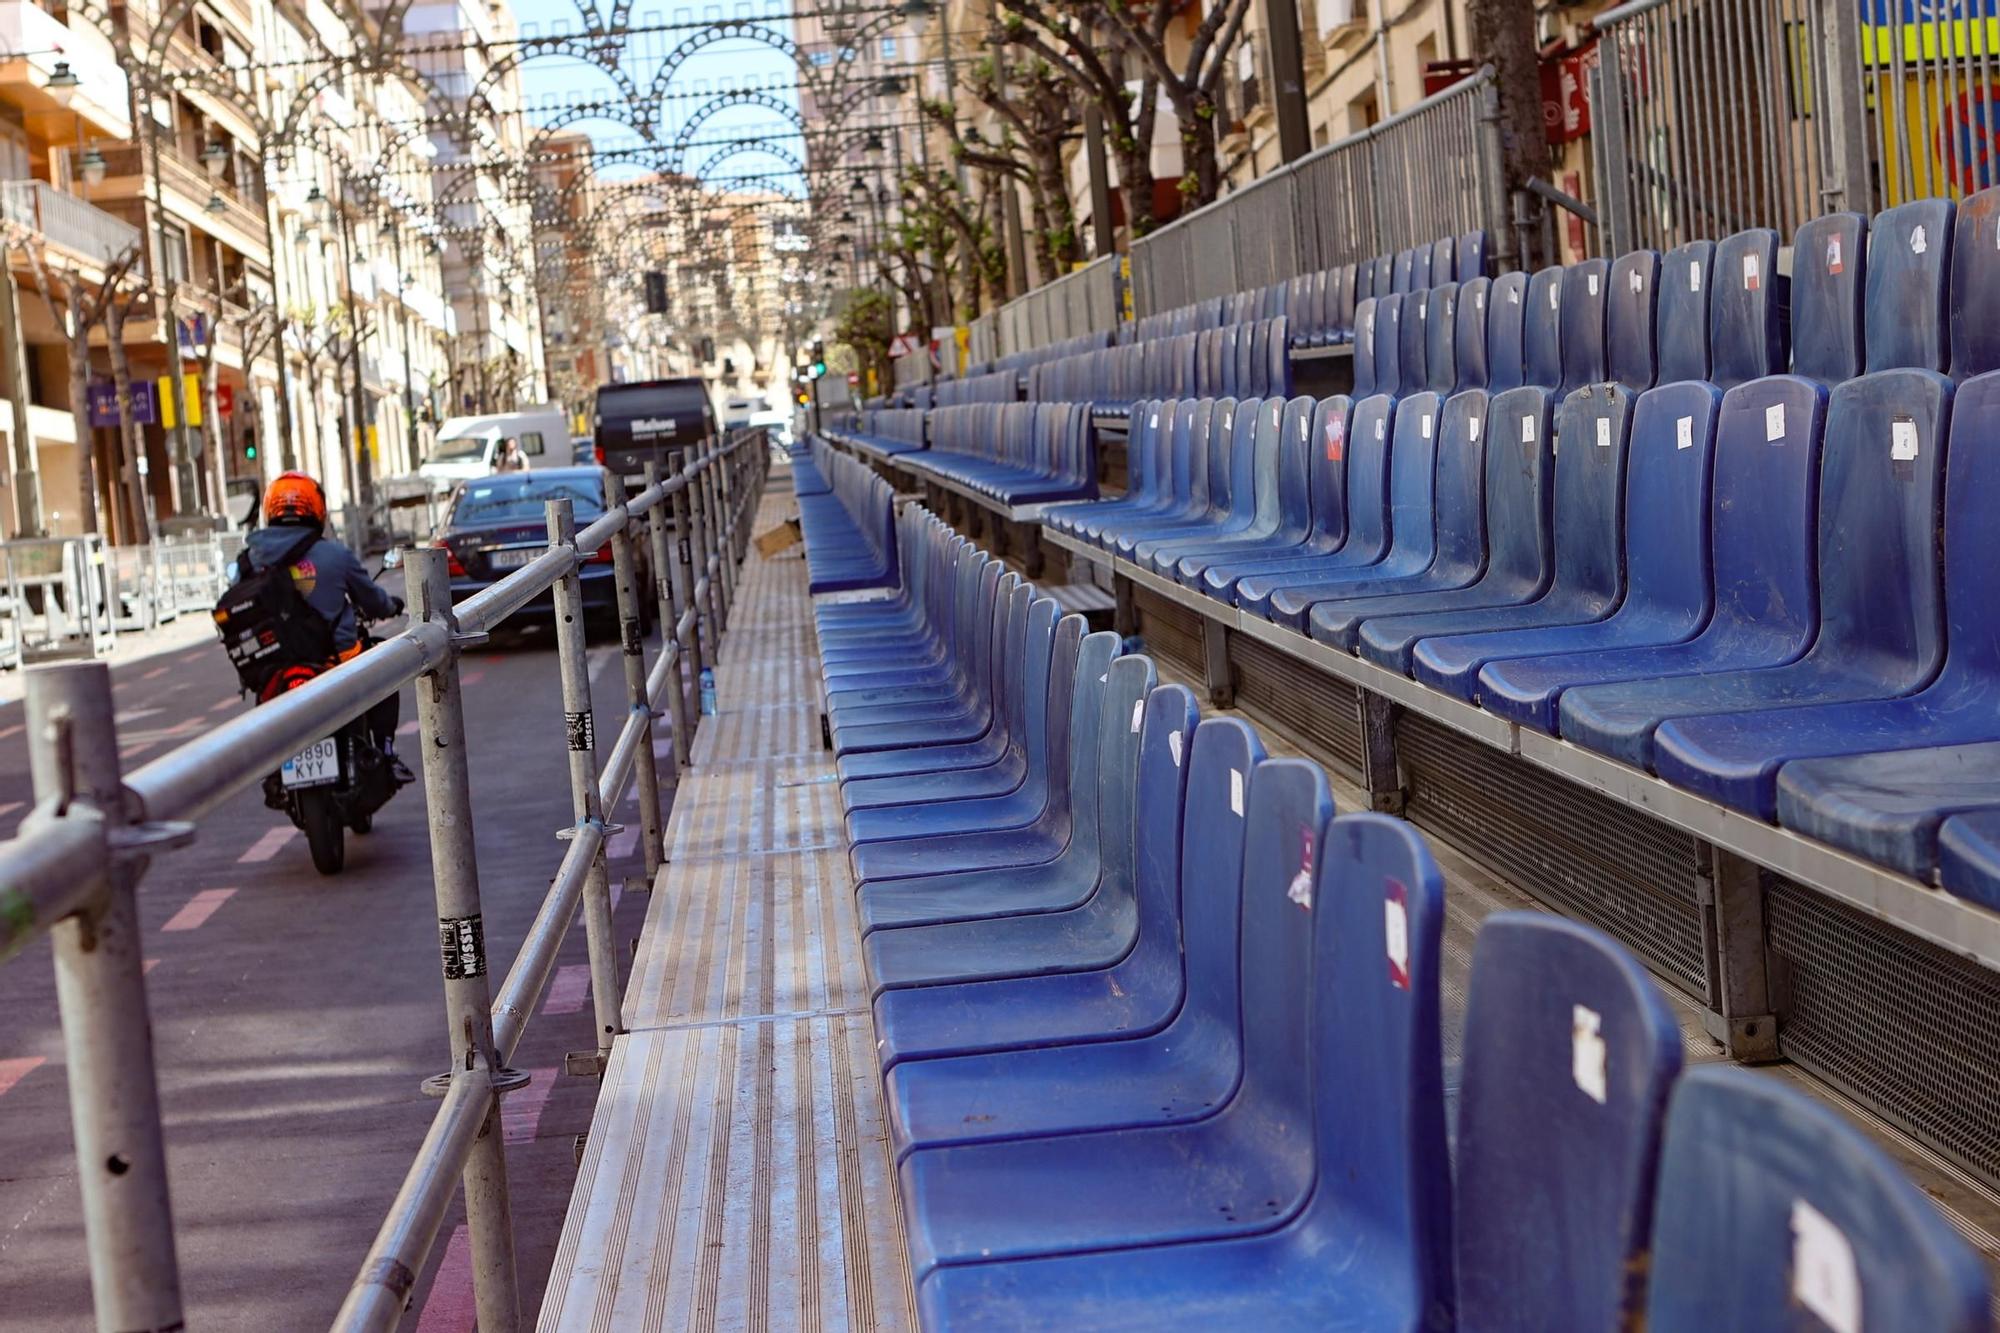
x=467 y=679
x=224 y=706
x=567 y=992
x=13 y=731
x=267 y=846
x=13 y=1071
x=408 y=728
x=521 y=1110
x=127 y=751
x=621 y=844
x=450 y=1308
x=134 y=714
x=198 y=909
x=156 y=673
x=9 y=807
x=146 y=968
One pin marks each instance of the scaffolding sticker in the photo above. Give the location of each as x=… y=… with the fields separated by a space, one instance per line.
x=1834 y=263
x=1424 y=424
x=1236 y=791
x=1774 y=424
x=581 y=730
x=1825 y=1278
x=1587 y=1053
x=1694 y=275
x=462 y=943
x=1396 y=932
x=1604 y=432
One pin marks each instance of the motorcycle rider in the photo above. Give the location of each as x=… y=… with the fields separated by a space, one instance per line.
x=332 y=580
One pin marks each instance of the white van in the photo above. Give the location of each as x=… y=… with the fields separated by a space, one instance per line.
x=468 y=447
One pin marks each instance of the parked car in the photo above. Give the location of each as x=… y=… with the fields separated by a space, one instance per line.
x=468 y=447
x=635 y=424
x=497 y=524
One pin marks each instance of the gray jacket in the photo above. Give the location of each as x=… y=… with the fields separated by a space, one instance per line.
x=332 y=578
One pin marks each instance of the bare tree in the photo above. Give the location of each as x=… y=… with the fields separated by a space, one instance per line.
x=1192 y=86
x=138 y=499
x=1000 y=159
x=1037 y=105
x=1505 y=30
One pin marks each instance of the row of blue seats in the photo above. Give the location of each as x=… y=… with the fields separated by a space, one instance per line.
x=885 y=431
x=847 y=517
x=1000 y=386
x=1016 y=453
x=1237 y=359
x=1161 y=1036
x=1022 y=361
x=1754 y=595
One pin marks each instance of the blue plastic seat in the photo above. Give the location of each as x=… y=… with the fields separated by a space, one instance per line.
x=1232 y=475
x=1282 y=519
x=1440 y=338
x=1385 y=276
x=1680 y=316
x=1667 y=575
x=1446 y=648
x=1177 y=472
x=1243 y=1170
x=1891 y=807
x=1541 y=331
x=1210 y=424
x=1439 y=527
x=1413 y=345
x=1420 y=269
x=1324 y=450
x=1881 y=626
x=1829 y=270
x=1746 y=309
x=1444 y=261
x=1570 y=1052
x=1584 y=302
x=1147 y=464
x=1907 y=309
x=1340 y=298
x=1389 y=343
x=1365 y=454
x=849 y=529
x=1472 y=256
x=1775 y=1212
x=1400 y=271
x=1969 y=857
x=1370 y=1246
x=1519 y=489
x=1631 y=306
x=1364 y=347
x=1468 y=343
x=1739 y=757
x=1506 y=332
x=1975 y=285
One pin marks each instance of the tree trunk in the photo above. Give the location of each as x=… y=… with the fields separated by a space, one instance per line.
x=1038 y=208
x=214 y=474
x=1504 y=30
x=1135 y=159
x=139 y=525
x=1198 y=149
x=79 y=408
x=1065 y=247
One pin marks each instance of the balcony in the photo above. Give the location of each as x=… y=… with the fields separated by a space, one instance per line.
x=183 y=175
x=67 y=222
x=32 y=43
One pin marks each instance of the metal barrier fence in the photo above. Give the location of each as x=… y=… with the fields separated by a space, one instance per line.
x=59 y=599
x=1085 y=301
x=72 y=871
x=1427 y=172
x=151 y=585
x=1710 y=116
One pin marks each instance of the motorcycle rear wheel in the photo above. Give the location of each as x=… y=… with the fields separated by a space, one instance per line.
x=324 y=834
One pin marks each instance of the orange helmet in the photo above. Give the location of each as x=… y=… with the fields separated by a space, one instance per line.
x=294 y=498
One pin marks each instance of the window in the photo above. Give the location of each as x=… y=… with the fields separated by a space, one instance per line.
x=531 y=443
x=888 y=48
x=175 y=259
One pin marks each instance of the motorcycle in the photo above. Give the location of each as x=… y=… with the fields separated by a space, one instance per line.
x=336 y=783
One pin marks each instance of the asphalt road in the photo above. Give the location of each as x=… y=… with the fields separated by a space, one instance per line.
x=294 y=1016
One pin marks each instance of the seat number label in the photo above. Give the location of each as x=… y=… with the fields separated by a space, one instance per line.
x=1527 y=430
x=1301 y=889
x=1902 y=440
x=1694 y=275
x=1825 y=1278
x=1604 y=432
x=1753 y=276
x=1684 y=433
x=1774 y=424
x=1587 y=1054
x=1334 y=433
x=1834 y=263
x=1424 y=424
x=1236 y=791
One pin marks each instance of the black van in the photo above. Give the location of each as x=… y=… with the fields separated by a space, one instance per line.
x=637 y=423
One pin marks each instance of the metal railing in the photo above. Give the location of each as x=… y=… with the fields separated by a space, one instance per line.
x=59 y=599
x=67 y=221
x=1427 y=172
x=1084 y=301
x=71 y=873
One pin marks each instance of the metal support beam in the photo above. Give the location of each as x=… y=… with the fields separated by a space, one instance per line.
x=1288 y=79
x=1844 y=105
x=1103 y=235
x=1381 y=775
x=1124 y=611
x=669 y=588
x=1215 y=664
x=1741 y=1014
x=632 y=643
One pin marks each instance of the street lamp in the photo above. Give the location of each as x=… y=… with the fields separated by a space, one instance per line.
x=214 y=157
x=62 y=78
x=93 y=167
x=215 y=203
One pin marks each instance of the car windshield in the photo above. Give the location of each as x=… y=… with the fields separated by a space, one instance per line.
x=520 y=497
x=458 y=449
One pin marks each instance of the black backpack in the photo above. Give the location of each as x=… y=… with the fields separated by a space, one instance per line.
x=267 y=624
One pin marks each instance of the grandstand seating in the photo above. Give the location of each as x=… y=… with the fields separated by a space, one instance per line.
x=1000 y=386
x=1161 y=1039
x=849 y=526
x=1015 y=453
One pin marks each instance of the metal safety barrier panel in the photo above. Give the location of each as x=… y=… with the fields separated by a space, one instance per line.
x=1428 y=171
x=1085 y=301
x=71 y=873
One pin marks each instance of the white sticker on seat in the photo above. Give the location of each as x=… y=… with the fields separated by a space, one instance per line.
x=1174 y=746
x=1514 y=295
x=1684 y=433
x=1752 y=273
x=1305 y=428
x=1587 y=1053
x=1590 y=280
x=1138 y=714
x=1694 y=275
x=1774 y=423
x=1638 y=282
x=1604 y=432
x=1833 y=261
x=1826 y=1280
x=1555 y=294
x=1479 y=298
x=1918 y=242
x=1381 y=424
x=1527 y=429
x=1424 y=424
x=1236 y=791
x=1475 y=429
x=1300 y=890
x=1396 y=933
x=1902 y=439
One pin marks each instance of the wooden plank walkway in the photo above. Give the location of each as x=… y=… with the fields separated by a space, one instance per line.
x=736 y=1174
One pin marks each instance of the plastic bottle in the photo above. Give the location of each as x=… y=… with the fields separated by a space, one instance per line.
x=708 y=691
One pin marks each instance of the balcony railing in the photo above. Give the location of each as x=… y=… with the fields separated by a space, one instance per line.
x=243 y=208
x=67 y=221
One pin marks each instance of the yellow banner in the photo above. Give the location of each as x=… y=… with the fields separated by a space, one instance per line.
x=190 y=388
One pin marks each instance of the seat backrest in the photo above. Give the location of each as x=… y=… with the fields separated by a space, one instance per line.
x=1569 y=1055
x=1400 y=271
x=1378 y=931
x=1412 y=349
x=1746 y=313
x=1444 y=261
x=1364 y=347
x=1157 y=834
x=1329 y=468
x=1200 y=441
x=1278 y=357
x=1364 y=280
x=1077 y=667
x=1420 y=268
x=1906 y=312
x=1593 y=434
x=1971 y=539
x=1506 y=330
x=1829 y=270
x=1669 y=473
x=1251 y=345
x=1468 y=338
x=1295 y=443
x=1340 y=299
x=1881 y=487
x=1767 y=486
x=1440 y=337
x=1472 y=256
x=1385 y=276
x=1680 y=315
x=1775 y=1212
x=1630 y=310
x=1389 y=343
x=1127 y=682
x=1975 y=285
x=1584 y=300
x=1286 y=806
x=1368 y=437
x=1222 y=760
x=1413 y=456
x=1520 y=486
x=1459 y=485
x=1541 y=330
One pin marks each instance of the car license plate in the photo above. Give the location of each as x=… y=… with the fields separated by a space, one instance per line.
x=513 y=559
x=314 y=766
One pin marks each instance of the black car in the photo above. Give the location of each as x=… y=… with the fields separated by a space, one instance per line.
x=497 y=524
x=651 y=420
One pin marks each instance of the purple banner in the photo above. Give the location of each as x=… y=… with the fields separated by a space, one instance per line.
x=104 y=403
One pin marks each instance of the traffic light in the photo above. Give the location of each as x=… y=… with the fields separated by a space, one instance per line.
x=249 y=446
x=819 y=359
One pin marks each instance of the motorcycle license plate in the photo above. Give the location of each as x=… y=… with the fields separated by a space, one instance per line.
x=514 y=559
x=314 y=766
